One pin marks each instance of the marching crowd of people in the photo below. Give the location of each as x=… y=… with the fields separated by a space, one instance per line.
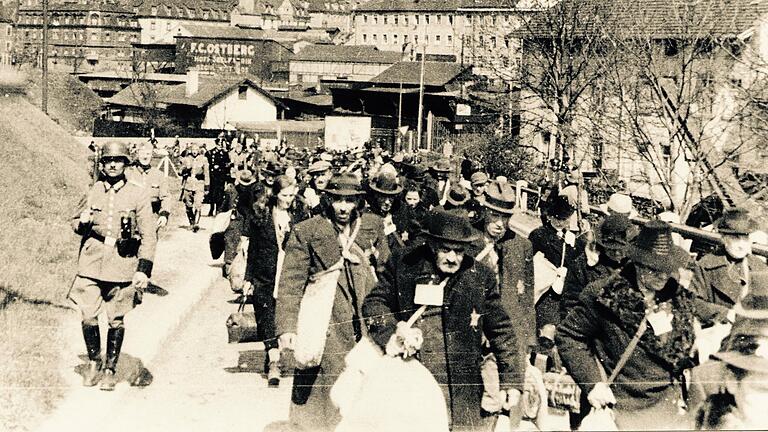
x=418 y=261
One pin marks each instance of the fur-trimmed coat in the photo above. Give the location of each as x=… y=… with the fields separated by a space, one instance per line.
x=607 y=316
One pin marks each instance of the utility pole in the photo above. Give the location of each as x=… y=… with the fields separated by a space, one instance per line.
x=421 y=98
x=399 y=141
x=44 y=104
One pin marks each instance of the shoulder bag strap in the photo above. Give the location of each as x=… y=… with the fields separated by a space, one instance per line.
x=628 y=352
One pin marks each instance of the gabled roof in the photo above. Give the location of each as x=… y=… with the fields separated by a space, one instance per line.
x=347 y=54
x=410 y=6
x=209 y=90
x=649 y=18
x=199 y=6
x=435 y=73
x=329 y=6
x=489 y=4
x=80 y=7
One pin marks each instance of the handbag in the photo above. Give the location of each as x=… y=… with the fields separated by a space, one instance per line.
x=315 y=311
x=603 y=419
x=241 y=325
x=236 y=275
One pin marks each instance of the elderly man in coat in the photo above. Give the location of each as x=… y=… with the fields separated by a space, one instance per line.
x=462 y=303
x=313 y=247
x=649 y=300
x=726 y=271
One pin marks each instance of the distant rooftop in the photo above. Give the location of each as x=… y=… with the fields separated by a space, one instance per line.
x=410 y=6
x=347 y=53
x=435 y=73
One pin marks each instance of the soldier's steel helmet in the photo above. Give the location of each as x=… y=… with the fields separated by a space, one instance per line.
x=115 y=150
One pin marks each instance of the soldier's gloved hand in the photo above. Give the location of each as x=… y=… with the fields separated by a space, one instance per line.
x=86 y=216
x=162 y=221
x=140 y=281
x=601 y=396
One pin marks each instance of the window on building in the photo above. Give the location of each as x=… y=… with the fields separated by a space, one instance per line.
x=395 y=39
x=386 y=20
x=426 y=19
x=416 y=39
x=205 y=15
x=94 y=19
x=449 y=38
x=397 y=20
x=493 y=41
x=365 y=19
x=437 y=39
x=365 y=38
x=375 y=19
x=384 y=37
x=416 y=17
x=168 y=25
x=107 y=37
x=152 y=25
x=153 y=11
x=405 y=38
x=242 y=92
x=450 y=19
x=439 y=18
x=480 y=40
x=215 y=14
x=375 y=39
x=94 y=37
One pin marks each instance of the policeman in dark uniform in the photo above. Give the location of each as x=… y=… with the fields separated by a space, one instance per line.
x=117 y=249
x=218 y=163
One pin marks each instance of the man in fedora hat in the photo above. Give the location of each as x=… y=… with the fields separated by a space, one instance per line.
x=612 y=237
x=461 y=301
x=384 y=188
x=319 y=173
x=727 y=270
x=341 y=233
x=509 y=256
x=439 y=183
x=734 y=384
x=555 y=249
x=647 y=299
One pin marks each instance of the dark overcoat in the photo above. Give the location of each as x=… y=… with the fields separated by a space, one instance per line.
x=515 y=281
x=452 y=332
x=606 y=318
x=722 y=286
x=313 y=246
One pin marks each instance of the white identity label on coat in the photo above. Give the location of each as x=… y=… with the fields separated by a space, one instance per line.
x=428 y=294
x=661 y=322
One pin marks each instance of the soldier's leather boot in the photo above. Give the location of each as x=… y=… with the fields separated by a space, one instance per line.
x=196 y=224
x=191 y=216
x=273 y=367
x=93 y=347
x=114 y=343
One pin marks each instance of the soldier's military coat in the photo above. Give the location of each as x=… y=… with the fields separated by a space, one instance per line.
x=199 y=173
x=99 y=258
x=157 y=187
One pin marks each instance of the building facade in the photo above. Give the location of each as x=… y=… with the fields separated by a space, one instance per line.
x=271 y=14
x=82 y=36
x=340 y=62
x=159 y=19
x=6 y=41
x=410 y=26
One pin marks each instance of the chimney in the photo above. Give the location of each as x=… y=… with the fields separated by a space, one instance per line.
x=193 y=79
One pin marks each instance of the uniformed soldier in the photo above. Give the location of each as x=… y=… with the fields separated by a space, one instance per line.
x=143 y=173
x=115 y=262
x=196 y=182
x=218 y=161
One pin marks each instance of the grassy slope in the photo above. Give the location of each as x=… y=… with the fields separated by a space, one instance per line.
x=44 y=173
x=70 y=103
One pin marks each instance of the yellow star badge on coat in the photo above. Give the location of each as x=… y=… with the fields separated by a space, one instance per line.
x=474 y=319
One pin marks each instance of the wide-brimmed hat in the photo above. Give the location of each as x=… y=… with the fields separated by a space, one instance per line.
x=441 y=166
x=271 y=169
x=653 y=248
x=414 y=172
x=245 y=177
x=450 y=226
x=736 y=221
x=457 y=196
x=614 y=232
x=385 y=181
x=559 y=207
x=478 y=178
x=319 y=166
x=344 y=184
x=747 y=345
x=500 y=197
